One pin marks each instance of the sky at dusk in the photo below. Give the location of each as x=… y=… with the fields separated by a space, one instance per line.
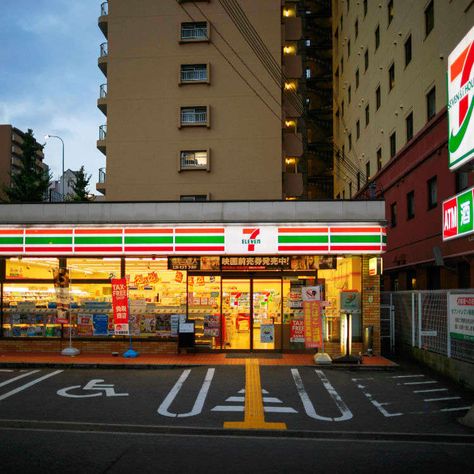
x=49 y=79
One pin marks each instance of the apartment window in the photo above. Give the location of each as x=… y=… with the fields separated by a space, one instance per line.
x=411 y=205
x=390 y=12
x=409 y=126
x=432 y=190
x=367 y=171
x=349 y=94
x=342 y=23
x=193 y=197
x=393 y=214
x=342 y=109
x=356 y=28
x=367 y=115
x=379 y=159
x=194 y=160
x=357 y=78
x=343 y=152
x=431 y=103
x=308 y=73
x=391 y=77
x=365 y=7
x=378 y=98
x=194 y=31
x=461 y=180
x=358 y=129
x=408 y=51
x=366 y=60
x=350 y=189
x=349 y=138
x=192 y=73
x=377 y=37
x=348 y=47
x=393 y=144
x=358 y=180
x=342 y=66
x=429 y=18
x=190 y=116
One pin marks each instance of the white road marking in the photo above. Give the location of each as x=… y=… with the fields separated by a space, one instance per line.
x=377 y=404
x=265 y=399
x=420 y=383
x=431 y=390
x=279 y=410
x=95 y=384
x=406 y=376
x=440 y=399
x=14 y=379
x=346 y=414
x=29 y=384
x=363 y=378
x=199 y=403
x=455 y=409
x=6 y=370
x=228 y=408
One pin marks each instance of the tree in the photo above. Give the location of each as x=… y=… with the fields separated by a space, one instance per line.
x=31 y=182
x=80 y=186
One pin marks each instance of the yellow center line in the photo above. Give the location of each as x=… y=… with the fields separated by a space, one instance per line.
x=254 y=418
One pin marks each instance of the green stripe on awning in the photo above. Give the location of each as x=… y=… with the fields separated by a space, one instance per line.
x=355 y=239
x=98 y=240
x=11 y=240
x=148 y=240
x=286 y=239
x=48 y=240
x=196 y=239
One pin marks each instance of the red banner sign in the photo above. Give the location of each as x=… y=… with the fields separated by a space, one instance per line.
x=120 y=305
x=313 y=330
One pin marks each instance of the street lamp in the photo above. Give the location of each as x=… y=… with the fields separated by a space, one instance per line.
x=62 y=177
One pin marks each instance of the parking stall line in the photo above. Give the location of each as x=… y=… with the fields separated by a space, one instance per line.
x=420 y=383
x=407 y=376
x=14 y=379
x=456 y=408
x=431 y=390
x=441 y=399
x=29 y=384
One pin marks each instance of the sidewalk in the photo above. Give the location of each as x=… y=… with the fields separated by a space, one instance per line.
x=149 y=361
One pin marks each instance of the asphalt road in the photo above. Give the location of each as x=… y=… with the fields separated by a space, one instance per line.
x=178 y=420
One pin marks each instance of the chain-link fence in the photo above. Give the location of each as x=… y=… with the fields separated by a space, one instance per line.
x=422 y=319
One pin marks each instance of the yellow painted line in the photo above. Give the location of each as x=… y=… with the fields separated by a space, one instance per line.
x=254 y=418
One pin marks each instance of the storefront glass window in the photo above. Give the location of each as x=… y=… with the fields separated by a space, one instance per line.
x=29 y=267
x=93 y=268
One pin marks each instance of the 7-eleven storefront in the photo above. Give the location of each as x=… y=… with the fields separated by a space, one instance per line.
x=243 y=284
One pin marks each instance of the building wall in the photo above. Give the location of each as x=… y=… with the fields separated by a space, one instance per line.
x=144 y=99
x=427 y=69
x=5 y=156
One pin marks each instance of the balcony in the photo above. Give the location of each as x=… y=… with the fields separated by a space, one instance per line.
x=194 y=73
x=103 y=18
x=100 y=186
x=102 y=62
x=102 y=100
x=101 y=142
x=194 y=32
x=194 y=160
x=194 y=117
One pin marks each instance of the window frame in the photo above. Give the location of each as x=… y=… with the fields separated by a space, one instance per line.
x=200 y=39
x=429 y=18
x=391 y=76
x=378 y=97
x=410 y=199
x=393 y=144
x=409 y=126
x=195 y=81
x=429 y=94
x=393 y=214
x=206 y=123
x=377 y=37
x=408 y=50
x=206 y=167
x=432 y=184
x=367 y=115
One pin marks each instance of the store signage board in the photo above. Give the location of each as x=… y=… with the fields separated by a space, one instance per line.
x=461 y=316
x=198 y=240
x=460 y=81
x=458 y=215
x=350 y=301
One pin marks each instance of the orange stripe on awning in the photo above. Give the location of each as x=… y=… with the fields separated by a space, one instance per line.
x=11 y=231
x=48 y=231
x=456 y=67
x=202 y=230
x=98 y=231
x=349 y=230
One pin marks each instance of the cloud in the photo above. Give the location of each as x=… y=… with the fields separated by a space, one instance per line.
x=43 y=24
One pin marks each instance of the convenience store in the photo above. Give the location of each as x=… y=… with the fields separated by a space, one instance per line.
x=238 y=270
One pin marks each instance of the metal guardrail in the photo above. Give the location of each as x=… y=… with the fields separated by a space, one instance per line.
x=103 y=91
x=104 y=9
x=197 y=74
x=104 y=50
x=190 y=161
x=102 y=132
x=193 y=33
x=193 y=117
x=102 y=175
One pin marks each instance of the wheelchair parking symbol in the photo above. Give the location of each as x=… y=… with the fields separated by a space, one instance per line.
x=94 y=385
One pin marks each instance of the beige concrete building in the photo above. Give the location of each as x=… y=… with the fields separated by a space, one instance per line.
x=390 y=62
x=11 y=139
x=204 y=100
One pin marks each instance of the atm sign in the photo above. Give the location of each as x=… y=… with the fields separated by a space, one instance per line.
x=458 y=219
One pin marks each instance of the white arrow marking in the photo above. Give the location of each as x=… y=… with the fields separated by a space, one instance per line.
x=199 y=403
x=346 y=414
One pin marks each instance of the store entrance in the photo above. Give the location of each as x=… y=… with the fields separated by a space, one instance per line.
x=251 y=309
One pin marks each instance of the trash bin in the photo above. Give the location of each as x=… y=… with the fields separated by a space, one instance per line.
x=368 y=340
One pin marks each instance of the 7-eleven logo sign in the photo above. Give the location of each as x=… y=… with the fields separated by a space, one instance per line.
x=250 y=238
x=461 y=102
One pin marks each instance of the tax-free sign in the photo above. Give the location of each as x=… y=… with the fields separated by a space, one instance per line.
x=460 y=78
x=458 y=217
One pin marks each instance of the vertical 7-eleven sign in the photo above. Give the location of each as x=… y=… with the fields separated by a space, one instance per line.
x=460 y=80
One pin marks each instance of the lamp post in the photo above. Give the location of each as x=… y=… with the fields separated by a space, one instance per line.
x=62 y=177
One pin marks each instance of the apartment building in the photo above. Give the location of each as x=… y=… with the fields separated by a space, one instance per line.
x=208 y=100
x=10 y=152
x=390 y=60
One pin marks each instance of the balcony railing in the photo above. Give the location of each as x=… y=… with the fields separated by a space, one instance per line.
x=197 y=74
x=193 y=33
x=104 y=50
x=193 y=116
x=103 y=91
x=104 y=9
x=194 y=160
x=102 y=132
x=102 y=175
